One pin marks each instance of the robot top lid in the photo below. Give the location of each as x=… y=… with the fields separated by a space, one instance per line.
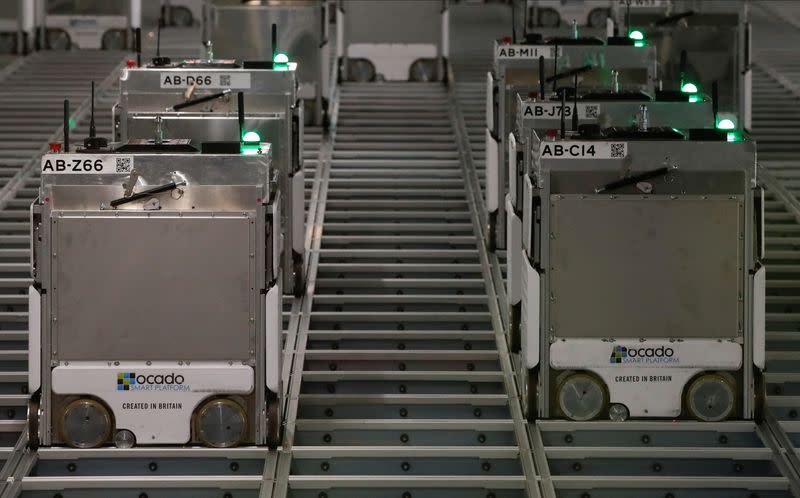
x=595 y=132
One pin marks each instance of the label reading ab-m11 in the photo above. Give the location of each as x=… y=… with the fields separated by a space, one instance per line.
x=205 y=80
x=86 y=164
x=583 y=150
x=525 y=51
x=547 y=110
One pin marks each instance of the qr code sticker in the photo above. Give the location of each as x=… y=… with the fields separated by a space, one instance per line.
x=224 y=80
x=591 y=111
x=124 y=164
x=617 y=150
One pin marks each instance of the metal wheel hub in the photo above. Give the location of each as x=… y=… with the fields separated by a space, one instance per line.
x=710 y=398
x=581 y=397
x=85 y=423
x=221 y=423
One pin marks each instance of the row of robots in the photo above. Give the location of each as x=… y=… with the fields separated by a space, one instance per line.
x=160 y=259
x=620 y=182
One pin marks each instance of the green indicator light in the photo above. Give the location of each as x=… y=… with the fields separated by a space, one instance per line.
x=636 y=35
x=71 y=124
x=280 y=59
x=689 y=88
x=638 y=44
x=734 y=137
x=694 y=98
x=250 y=150
x=726 y=124
x=251 y=136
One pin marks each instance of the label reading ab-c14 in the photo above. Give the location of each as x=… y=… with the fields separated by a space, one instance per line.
x=583 y=150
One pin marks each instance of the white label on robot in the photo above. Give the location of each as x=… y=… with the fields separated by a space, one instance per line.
x=86 y=164
x=568 y=149
x=525 y=51
x=552 y=110
x=205 y=80
x=642 y=3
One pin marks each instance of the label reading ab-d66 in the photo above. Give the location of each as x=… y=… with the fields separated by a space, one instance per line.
x=205 y=80
x=583 y=150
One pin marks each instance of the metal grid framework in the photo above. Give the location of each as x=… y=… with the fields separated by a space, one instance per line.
x=400 y=383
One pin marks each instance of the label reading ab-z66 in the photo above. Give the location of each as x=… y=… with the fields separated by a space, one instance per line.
x=86 y=164
x=205 y=80
x=547 y=110
x=583 y=150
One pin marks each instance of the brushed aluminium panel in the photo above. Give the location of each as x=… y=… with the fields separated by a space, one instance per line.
x=655 y=267
x=160 y=288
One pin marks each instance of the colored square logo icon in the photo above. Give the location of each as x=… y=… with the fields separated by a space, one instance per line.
x=618 y=353
x=125 y=380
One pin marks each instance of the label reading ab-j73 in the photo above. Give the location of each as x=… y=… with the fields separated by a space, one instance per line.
x=183 y=79
x=583 y=150
x=86 y=164
x=552 y=110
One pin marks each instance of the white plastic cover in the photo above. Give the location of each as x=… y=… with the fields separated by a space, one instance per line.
x=512 y=168
x=34 y=339
x=759 y=317
x=514 y=252
x=529 y=326
x=274 y=351
x=492 y=174
x=489 y=101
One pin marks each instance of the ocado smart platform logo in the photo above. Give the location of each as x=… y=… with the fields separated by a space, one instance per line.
x=648 y=355
x=129 y=381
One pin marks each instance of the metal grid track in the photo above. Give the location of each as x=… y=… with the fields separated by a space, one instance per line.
x=30 y=114
x=776 y=97
x=399 y=388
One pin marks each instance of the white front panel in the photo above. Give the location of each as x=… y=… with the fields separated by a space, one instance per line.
x=512 y=169
x=492 y=173
x=647 y=392
x=298 y=212
x=392 y=60
x=489 y=101
x=529 y=325
x=570 y=149
x=747 y=112
x=760 y=317
x=205 y=79
x=273 y=338
x=34 y=339
x=509 y=51
x=527 y=215
x=154 y=401
x=86 y=164
x=599 y=353
x=552 y=110
x=514 y=252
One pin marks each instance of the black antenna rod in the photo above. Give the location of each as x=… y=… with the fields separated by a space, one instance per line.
x=715 y=100
x=158 y=36
x=541 y=77
x=683 y=68
x=137 y=40
x=628 y=18
x=563 y=118
x=514 y=22
x=274 y=41
x=240 y=98
x=66 y=125
x=555 y=67
x=92 y=130
x=575 y=106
